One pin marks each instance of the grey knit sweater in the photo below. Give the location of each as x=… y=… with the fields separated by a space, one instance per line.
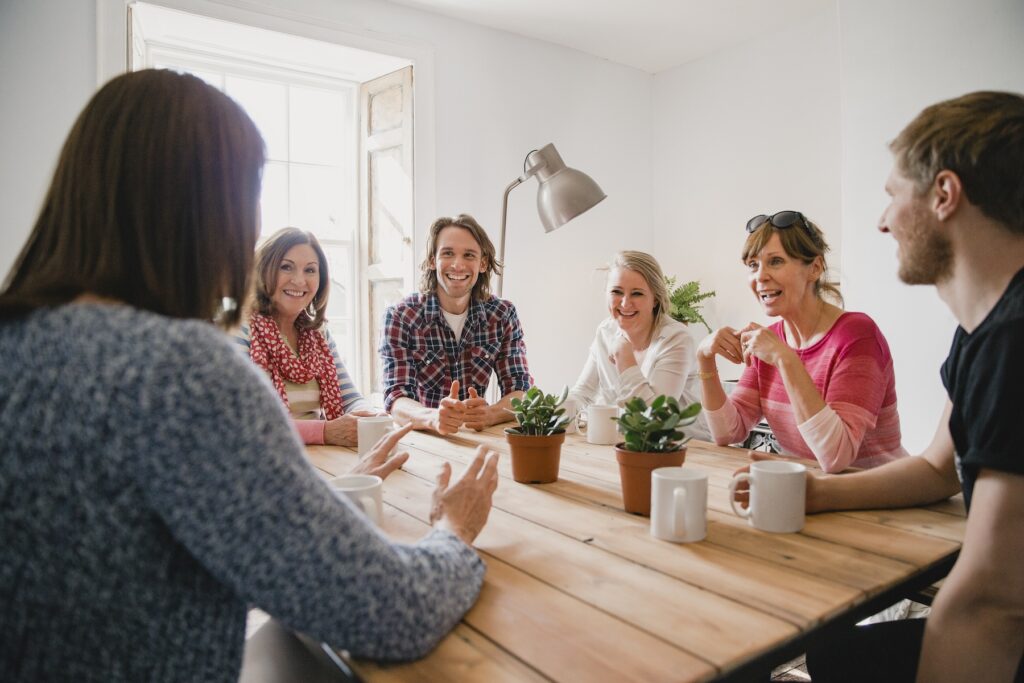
x=151 y=488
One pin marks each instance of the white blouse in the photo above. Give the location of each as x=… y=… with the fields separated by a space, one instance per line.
x=666 y=367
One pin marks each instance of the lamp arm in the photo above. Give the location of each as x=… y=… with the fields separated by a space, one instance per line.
x=504 y=217
x=531 y=165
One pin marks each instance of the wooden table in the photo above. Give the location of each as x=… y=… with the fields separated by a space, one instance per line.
x=578 y=590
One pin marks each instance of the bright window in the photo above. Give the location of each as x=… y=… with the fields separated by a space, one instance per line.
x=310 y=178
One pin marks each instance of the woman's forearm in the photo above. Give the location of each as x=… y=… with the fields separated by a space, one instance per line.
x=712 y=391
x=803 y=394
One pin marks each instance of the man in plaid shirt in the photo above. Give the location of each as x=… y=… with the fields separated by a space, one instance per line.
x=441 y=345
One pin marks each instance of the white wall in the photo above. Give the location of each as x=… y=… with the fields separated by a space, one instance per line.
x=801 y=120
x=497 y=96
x=754 y=129
x=897 y=58
x=47 y=72
x=798 y=119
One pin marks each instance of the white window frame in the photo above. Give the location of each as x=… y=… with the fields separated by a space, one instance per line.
x=352 y=277
x=112 y=19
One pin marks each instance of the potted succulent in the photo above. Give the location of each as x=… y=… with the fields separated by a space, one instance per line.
x=685 y=302
x=653 y=438
x=536 y=444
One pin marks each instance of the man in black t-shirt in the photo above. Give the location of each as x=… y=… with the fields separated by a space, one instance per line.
x=957 y=215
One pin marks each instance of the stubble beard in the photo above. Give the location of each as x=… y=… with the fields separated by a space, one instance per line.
x=926 y=257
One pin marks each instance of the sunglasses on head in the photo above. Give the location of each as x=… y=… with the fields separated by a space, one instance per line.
x=782 y=220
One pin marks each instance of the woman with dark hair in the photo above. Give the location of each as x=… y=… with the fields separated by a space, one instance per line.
x=822 y=377
x=151 y=488
x=286 y=336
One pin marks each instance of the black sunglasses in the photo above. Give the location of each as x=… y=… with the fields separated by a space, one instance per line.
x=782 y=220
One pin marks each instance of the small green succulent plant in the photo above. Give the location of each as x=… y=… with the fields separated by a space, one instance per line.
x=657 y=428
x=539 y=414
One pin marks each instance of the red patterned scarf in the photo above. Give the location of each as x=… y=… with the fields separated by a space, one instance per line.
x=270 y=351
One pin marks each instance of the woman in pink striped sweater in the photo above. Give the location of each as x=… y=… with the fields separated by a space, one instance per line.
x=821 y=377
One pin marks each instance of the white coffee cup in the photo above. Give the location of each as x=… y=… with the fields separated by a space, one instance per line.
x=679 y=504
x=778 y=493
x=366 y=491
x=370 y=430
x=599 y=426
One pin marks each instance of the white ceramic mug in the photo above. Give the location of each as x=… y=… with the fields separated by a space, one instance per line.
x=599 y=426
x=778 y=493
x=370 y=430
x=366 y=491
x=679 y=504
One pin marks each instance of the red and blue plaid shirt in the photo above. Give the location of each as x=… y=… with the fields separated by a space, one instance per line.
x=422 y=357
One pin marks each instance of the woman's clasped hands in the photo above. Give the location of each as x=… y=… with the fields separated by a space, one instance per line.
x=739 y=346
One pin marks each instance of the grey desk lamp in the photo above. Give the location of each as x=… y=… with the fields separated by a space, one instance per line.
x=564 y=193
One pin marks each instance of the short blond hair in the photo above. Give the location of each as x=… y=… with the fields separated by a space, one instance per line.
x=978 y=136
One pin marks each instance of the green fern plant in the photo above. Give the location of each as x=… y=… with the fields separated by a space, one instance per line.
x=685 y=301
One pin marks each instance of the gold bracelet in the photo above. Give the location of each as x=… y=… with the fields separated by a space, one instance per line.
x=707 y=375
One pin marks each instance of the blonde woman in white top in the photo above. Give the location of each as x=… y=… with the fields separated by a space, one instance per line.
x=638 y=350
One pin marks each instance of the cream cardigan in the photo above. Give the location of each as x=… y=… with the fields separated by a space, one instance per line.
x=666 y=367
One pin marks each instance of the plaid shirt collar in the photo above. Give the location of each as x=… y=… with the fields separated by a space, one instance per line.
x=432 y=313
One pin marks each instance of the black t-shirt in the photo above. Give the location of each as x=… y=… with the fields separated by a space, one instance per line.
x=984 y=377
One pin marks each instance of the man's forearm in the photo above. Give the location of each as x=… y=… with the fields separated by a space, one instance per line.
x=502 y=410
x=407 y=411
x=902 y=483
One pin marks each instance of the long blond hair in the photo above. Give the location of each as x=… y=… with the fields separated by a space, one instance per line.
x=650 y=270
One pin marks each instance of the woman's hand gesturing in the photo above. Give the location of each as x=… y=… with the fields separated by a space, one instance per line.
x=378 y=461
x=724 y=342
x=463 y=507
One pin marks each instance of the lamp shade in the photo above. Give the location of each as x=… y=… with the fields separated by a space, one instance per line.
x=564 y=192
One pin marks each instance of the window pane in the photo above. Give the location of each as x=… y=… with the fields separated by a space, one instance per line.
x=339 y=260
x=383 y=293
x=390 y=205
x=274 y=198
x=318 y=118
x=318 y=202
x=386 y=110
x=267 y=104
x=341 y=330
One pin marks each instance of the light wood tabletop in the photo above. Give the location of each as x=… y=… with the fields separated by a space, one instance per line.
x=578 y=590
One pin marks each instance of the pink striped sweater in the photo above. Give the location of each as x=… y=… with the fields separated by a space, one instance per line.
x=852 y=368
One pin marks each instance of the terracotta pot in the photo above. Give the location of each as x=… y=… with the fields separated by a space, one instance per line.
x=535 y=458
x=635 y=472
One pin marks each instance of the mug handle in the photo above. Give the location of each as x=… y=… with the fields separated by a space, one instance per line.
x=742 y=476
x=679 y=512
x=369 y=506
x=581 y=422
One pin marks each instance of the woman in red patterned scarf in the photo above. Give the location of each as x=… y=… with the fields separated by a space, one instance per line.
x=286 y=337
